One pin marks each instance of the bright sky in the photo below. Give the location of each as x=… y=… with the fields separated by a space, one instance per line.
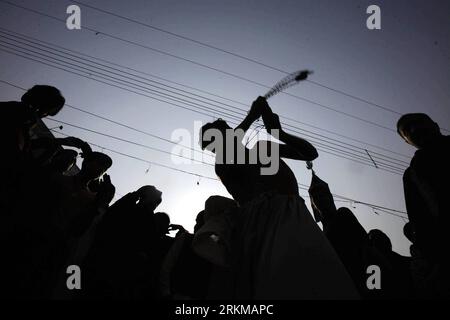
x=402 y=67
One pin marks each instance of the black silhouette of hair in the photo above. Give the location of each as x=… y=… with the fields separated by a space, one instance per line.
x=407 y=119
x=100 y=158
x=44 y=99
x=218 y=124
x=379 y=239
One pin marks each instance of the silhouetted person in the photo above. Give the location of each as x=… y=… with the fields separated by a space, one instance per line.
x=19 y=169
x=121 y=262
x=214 y=240
x=184 y=274
x=358 y=249
x=77 y=211
x=396 y=281
x=19 y=117
x=343 y=230
x=78 y=206
x=62 y=161
x=44 y=100
x=38 y=102
x=421 y=268
x=46 y=148
x=275 y=234
x=163 y=241
x=427 y=190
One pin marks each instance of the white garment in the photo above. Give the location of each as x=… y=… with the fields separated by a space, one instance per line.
x=279 y=252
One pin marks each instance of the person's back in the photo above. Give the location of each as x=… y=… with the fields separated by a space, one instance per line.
x=190 y=276
x=14 y=139
x=396 y=281
x=115 y=258
x=348 y=238
x=73 y=201
x=244 y=181
x=38 y=102
x=428 y=175
x=18 y=119
x=120 y=264
x=342 y=229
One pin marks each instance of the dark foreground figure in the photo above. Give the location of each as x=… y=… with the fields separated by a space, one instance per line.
x=427 y=191
x=275 y=249
x=262 y=244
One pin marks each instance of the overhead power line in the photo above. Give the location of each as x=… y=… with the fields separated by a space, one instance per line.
x=323 y=148
x=77 y=54
x=127 y=141
x=240 y=56
x=90 y=74
x=393 y=162
x=301 y=186
x=144 y=160
x=118 y=123
x=134 y=43
x=393 y=212
x=234 y=54
x=111 y=136
x=28 y=38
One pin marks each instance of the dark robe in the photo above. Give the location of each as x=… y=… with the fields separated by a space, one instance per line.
x=349 y=239
x=427 y=192
x=126 y=255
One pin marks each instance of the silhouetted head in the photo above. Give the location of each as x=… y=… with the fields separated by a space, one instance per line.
x=216 y=127
x=216 y=205
x=409 y=232
x=380 y=240
x=199 y=221
x=44 y=100
x=162 y=222
x=322 y=201
x=149 y=198
x=95 y=165
x=63 y=160
x=418 y=129
x=355 y=230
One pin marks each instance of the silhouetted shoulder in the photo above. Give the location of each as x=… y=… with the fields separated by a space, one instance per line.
x=447 y=142
x=14 y=113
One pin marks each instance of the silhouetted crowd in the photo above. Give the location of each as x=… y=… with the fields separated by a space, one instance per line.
x=260 y=244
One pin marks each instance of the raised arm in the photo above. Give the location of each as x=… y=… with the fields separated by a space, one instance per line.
x=294 y=147
x=251 y=117
x=76 y=143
